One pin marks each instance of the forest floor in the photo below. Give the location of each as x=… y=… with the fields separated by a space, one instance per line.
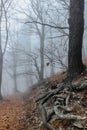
x=17 y=112
x=21 y=112
x=12 y=113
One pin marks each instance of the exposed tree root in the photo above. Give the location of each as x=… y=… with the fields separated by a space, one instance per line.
x=79 y=87
x=61 y=97
x=44 y=118
x=79 y=126
x=62 y=116
x=46 y=96
x=41 y=97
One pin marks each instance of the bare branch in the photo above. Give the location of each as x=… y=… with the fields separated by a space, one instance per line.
x=45 y=24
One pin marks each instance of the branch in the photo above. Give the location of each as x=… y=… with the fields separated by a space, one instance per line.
x=58 y=36
x=45 y=24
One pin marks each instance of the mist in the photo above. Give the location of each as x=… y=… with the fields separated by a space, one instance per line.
x=36 y=45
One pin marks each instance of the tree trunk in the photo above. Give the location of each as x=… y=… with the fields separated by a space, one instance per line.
x=1 y=56
x=1 y=67
x=76 y=29
x=42 y=53
x=15 y=59
x=15 y=83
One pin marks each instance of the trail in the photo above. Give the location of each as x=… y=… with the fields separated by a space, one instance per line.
x=12 y=114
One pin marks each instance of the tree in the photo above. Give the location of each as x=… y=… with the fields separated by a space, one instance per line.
x=76 y=30
x=3 y=10
x=15 y=58
x=37 y=14
x=40 y=18
x=10 y=67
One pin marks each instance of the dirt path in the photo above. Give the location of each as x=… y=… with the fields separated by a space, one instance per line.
x=12 y=114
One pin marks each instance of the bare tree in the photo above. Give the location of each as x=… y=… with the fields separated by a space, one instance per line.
x=37 y=14
x=39 y=18
x=4 y=7
x=15 y=60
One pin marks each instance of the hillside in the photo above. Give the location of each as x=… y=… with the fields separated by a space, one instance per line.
x=53 y=106
x=57 y=106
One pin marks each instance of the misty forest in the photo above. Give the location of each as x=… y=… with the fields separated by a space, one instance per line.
x=43 y=65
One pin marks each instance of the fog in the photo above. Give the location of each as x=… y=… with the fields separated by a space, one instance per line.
x=29 y=40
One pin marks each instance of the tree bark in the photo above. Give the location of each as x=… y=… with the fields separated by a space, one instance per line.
x=1 y=56
x=15 y=70
x=42 y=53
x=15 y=83
x=76 y=30
x=1 y=67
